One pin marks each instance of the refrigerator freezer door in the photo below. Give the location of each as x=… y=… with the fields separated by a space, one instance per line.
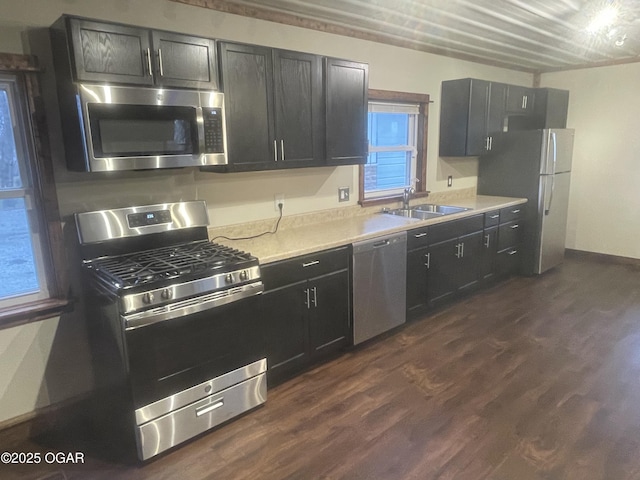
x=557 y=151
x=552 y=218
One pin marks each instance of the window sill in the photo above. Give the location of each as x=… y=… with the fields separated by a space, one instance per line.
x=31 y=312
x=372 y=202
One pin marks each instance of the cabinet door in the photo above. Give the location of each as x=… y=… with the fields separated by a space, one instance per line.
x=329 y=313
x=346 y=93
x=477 y=130
x=490 y=248
x=247 y=76
x=470 y=260
x=495 y=112
x=285 y=316
x=520 y=99
x=417 y=270
x=104 y=52
x=442 y=272
x=185 y=61
x=298 y=108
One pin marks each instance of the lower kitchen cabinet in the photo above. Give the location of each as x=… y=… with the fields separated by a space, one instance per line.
x=306 y=307
x=449 y=259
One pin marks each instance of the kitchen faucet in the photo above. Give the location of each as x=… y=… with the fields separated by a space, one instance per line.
x=406 y=195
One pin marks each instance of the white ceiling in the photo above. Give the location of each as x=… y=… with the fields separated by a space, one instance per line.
x=529 y=35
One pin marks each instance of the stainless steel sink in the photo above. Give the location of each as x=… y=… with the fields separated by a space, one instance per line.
x=439 y=209
x=412 y=213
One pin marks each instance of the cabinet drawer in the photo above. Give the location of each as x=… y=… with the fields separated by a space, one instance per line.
x=492 y=218
x=510 y=214
x=300 y=268
x=455 y=228
x=508 y=235
x=417 y=238
x=508 y=262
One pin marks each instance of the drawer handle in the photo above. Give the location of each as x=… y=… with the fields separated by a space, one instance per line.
x=209 y=408
x=310 y=264
x=419 y=235
x=514 y=226
x=494 y=216
x=513 y=252
x=515 y=211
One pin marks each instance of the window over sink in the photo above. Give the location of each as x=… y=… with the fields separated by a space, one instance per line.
x=396 y=159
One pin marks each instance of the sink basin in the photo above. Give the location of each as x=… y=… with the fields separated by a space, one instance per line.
x=413 y=213
x=439 y=209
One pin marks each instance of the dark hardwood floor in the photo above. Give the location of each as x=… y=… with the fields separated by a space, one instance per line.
x=535 y=378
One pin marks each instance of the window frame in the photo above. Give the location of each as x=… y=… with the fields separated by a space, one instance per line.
x=24 y=70
x=423 y=101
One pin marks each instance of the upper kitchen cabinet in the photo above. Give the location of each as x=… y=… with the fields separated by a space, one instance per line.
x=520 y=100
x=103 y=52
x=347 y=85
x=471 y=112
x=273 y=102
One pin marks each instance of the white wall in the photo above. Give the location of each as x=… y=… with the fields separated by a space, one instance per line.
x=30 y=371
x=604 y=204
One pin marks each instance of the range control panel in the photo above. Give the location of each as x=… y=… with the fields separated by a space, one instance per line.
x=146 y=219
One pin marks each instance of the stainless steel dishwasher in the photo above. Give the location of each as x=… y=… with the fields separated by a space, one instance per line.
x=379 y=285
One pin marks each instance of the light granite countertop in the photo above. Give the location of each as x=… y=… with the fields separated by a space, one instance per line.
x=330 y=232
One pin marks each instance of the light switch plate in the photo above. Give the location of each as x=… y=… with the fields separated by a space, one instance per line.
x=343 y=194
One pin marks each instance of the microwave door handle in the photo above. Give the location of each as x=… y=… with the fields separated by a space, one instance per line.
x=200 y=123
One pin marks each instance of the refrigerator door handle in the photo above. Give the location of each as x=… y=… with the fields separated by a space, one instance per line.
x=553 y=184
x=554 y=139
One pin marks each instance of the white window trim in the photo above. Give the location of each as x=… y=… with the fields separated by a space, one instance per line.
x=25 y=149
x=414 y=111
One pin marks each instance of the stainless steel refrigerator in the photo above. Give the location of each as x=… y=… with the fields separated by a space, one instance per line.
x=535 y=164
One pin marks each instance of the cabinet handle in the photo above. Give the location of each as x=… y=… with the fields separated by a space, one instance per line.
x=513 y=252
x=160 y=62
x=419 y=235
x=490 y=143
x=149 y=62
x=282 y=150
x=517 y=210
x=315 y=296
x=495 y=216
x=513 y=227
x=462 y=255
x=309 y=264
x=427 y=259
x=486 y=144
x=458 y=250
x=307 y=301
x=487 y=239
x=275 y=151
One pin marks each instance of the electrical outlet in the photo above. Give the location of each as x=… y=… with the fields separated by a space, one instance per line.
x=343 y=194
x=449 y=180
x=278 y=198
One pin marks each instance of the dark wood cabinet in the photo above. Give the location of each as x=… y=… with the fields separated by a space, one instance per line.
x=346 y=92
x=509 y=243
x=443 y=260
x=104 y=52
x=520 y=99
x=471 y=112
x=273 y=102
x=306 y=306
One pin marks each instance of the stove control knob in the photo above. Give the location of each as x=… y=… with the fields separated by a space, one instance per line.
x=167 y=294
x=147 y=298
x=228 y=278
x=243 y=275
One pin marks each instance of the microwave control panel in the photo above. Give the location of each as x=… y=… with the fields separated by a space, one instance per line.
x=213 y=132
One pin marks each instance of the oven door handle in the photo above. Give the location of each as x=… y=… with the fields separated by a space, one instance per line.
x=190 y=306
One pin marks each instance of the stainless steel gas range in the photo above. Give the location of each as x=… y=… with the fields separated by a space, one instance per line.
x=172 y=321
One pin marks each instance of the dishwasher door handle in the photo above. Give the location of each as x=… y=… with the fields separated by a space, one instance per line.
x=382 y=243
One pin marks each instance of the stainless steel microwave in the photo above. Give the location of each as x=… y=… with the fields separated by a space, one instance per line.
x=136 y=128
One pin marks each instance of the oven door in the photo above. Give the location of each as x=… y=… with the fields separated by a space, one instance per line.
x=170 y=356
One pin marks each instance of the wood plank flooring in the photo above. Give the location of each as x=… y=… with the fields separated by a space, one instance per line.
x=535 y=378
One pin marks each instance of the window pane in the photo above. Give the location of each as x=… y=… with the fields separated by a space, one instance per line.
x=18 y=274
x=387 y=170
x=9 y=172
x=388 y=129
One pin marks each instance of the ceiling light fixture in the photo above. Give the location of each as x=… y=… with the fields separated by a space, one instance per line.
x=603 y=19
